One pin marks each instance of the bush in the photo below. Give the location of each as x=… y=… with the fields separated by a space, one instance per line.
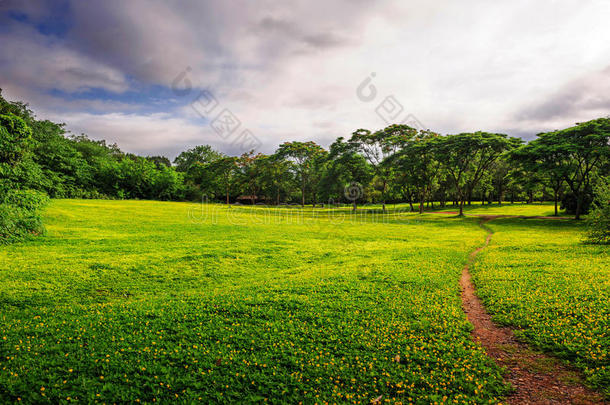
x=20 y=214
x=598 y=223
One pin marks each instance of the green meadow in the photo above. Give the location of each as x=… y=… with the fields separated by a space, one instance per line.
x=541 y=279
x=166 y=301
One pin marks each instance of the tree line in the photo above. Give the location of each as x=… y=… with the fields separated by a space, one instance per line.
x=421 y=167
x=394 y=164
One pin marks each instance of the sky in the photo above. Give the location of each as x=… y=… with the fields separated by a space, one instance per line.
x=158 y=77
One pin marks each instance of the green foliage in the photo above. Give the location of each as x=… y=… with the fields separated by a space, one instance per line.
x=581 y=150
x=15 y=139
x=418 y=159
x=344 y=166
x=220 y=176
x=598 y=223
x=199 y=154
x=38 y=155
x=378 y=148
x=19 y=206
x=20 y=214
x=468 y=156
x=393 y=164
x=307 y=157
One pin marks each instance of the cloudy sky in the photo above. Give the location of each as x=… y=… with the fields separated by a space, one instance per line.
x=161 y=76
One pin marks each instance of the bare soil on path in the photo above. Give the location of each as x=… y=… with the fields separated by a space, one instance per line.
x=536 y=377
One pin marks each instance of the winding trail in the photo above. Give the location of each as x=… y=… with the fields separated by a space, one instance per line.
x=535 y=377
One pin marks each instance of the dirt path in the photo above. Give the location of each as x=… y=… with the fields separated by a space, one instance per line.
x=536 y=377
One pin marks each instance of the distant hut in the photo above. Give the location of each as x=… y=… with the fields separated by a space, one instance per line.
x=252 y=199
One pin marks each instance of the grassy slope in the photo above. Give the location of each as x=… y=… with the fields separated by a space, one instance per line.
x=538 y=276
x=152 y=300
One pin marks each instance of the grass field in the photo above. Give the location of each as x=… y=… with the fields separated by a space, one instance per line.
x=539 y=278
x=159 y=301
x=535 y=209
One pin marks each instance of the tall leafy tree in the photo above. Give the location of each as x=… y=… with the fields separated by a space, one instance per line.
x=199 y=154
x=418 y=160
x=304 y=156
x=378 y=146
x=468 y=156
x=345 y=167
x=250 y=174
x=544 y=157
x=15 y=144
x=224 y=170
x=18 y=205
x=499 y=179
x=581 y=149
x=275 y=174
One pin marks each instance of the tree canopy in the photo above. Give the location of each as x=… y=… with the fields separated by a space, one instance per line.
x=397 y=163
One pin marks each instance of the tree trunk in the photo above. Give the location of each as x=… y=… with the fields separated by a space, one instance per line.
x=578 y=206
x=555 y=197
x=277 y=197
x=383 y=195
x=227 y=190
x=461 y=207
x=302 y=197
x=354 y=206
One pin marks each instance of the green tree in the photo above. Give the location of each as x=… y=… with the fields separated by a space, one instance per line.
x=276 y=175
x=377 y=147
x=581 y=149
x=250 y=174
x=598 y=223
x=344 y=167
x=417 y=159
x=468 y=156
x=304 y=156
x=160 y=161
x=15 y=139
x=499 y=181
x=544 y=157
x=199 y=154
x=19 y=206
x=224 y=171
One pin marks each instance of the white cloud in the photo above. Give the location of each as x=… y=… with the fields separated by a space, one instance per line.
x=290 y=70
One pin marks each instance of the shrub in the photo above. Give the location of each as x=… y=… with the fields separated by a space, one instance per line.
x=598 y=223
x=20 y=214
